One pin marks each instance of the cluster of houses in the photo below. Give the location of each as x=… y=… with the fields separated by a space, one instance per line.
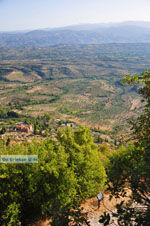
x=22 y=127
x=65 y=124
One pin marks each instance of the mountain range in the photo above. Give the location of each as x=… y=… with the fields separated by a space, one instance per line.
x=125 y=32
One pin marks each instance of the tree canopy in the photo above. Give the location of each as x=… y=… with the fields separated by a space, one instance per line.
x=69 y=170
x=129 y=166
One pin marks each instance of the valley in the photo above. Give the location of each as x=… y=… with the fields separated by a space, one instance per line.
x=81 y=83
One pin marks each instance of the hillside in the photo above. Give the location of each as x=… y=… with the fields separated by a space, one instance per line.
x=47 y=94
x=78 y=83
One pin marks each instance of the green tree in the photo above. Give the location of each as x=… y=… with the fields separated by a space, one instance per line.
x=69 y=170
x=84 y=159
x=129 y=167
x=11 y=215
x=3 y=130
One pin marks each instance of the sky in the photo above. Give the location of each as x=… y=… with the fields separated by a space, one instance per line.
x=36 y=14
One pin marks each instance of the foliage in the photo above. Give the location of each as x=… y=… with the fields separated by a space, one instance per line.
x=6 y=113
x=69 y=170
x=3 y=130
x=67 y=217
x=129 y=167
x=11 y=215
x=85 y=159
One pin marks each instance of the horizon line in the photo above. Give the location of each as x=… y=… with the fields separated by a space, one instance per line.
x=69 y=25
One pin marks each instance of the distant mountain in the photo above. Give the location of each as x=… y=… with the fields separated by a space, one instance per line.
x=79 y=27
x=125 y=32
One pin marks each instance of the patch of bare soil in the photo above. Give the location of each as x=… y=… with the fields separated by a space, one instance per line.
x=42 y=223
x=107 y=205
x=136 y=103
x=36 y=88
x=12 y=85
x=93 y=212
x=93 y=125
x=90 y=207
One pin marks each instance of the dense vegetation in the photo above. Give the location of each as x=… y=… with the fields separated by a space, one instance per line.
x=69 y=171
x=72 y=168
x=129 y=167
x=40 y=86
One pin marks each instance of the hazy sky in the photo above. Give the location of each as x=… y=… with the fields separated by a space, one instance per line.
x=33 y=14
